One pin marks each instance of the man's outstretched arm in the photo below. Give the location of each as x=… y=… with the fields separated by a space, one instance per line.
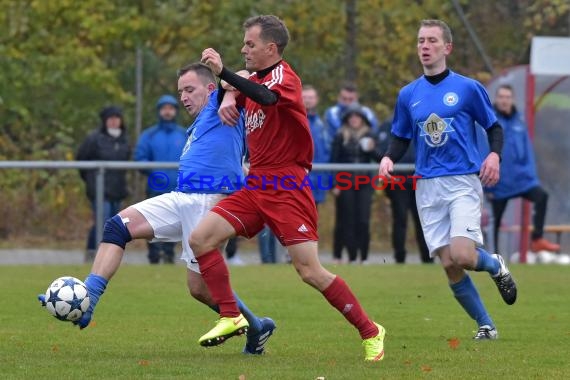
x=256 y=92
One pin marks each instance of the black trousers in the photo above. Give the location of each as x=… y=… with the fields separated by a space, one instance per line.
x=155 y=248
x=402 y=201
x=231 y=247
x=538 y=196
x=352 y=223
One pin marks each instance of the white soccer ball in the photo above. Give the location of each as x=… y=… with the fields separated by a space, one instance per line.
x=67 y=299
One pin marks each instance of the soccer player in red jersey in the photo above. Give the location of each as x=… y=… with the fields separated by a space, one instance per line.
x=281 y=153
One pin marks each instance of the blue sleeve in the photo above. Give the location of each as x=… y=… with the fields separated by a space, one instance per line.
x=330 y=121
x=402 y=124
x=481 y=108
x=142 y=150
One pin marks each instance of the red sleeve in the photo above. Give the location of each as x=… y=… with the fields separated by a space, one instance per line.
x=285 y=84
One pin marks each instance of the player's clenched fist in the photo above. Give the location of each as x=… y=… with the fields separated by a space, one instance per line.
x=212 y=58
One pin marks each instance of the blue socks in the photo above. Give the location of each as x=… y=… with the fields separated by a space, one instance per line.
x=468 y=297
x=96 y=285
x=487 y=263
x=254 y=323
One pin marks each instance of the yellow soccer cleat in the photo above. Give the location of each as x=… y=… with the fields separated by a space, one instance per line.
x=374 y=347
x=225 y=328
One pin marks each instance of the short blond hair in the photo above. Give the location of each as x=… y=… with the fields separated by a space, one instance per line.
x=445 y=30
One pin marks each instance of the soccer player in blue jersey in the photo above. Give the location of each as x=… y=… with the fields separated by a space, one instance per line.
x=210 y=168
x=438 y=111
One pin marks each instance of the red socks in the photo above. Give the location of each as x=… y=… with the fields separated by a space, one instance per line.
x=217 y=278
x=339 y=295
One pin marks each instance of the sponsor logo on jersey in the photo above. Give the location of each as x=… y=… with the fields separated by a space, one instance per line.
x=254 y=120
x=450 y=99
x=436 y=130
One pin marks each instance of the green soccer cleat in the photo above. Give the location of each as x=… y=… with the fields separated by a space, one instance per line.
x=225 y=328
x=374 y=347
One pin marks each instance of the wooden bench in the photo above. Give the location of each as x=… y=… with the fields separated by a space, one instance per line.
x=557 y=229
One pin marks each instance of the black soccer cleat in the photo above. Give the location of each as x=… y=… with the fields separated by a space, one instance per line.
x=486 y=332
x=505 y=283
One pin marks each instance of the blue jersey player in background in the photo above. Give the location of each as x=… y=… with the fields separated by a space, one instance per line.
x=210 y=168
x=438 y=111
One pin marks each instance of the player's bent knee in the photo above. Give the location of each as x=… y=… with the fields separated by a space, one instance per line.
x=198 y=242
x=116 y=232
x=316 y=277
x=202 y=241
x=463 y=259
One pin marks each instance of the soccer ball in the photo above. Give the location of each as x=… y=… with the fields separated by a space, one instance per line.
x=67 y=299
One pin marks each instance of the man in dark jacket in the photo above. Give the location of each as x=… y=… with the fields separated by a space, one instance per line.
x=402 y=201
x=162 y=142
x=518 y=166
x=106 y=143
x=353 y=143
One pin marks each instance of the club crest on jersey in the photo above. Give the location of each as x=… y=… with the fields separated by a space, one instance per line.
x=254 y=120
x=435 y=130
x=450 y=99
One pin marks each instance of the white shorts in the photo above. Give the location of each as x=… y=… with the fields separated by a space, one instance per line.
x=173 y=216
x=449 y=207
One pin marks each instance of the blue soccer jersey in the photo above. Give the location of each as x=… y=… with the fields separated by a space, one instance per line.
x=440 y=120
x=211 y=161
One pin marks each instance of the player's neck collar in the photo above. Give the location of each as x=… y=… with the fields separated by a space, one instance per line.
x=264 y=72
x=435 y=79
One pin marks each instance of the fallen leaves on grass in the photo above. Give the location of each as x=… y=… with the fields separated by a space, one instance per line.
x=241 y=377
x=453 y=343
x=144 y=362
x=55 y=348
x=426 y=368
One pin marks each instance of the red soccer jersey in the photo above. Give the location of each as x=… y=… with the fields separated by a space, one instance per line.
x=278 y=135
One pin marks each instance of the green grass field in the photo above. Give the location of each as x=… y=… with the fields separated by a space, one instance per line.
x=146 y=326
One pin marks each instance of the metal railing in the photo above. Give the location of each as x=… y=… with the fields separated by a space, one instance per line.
x=102 y=166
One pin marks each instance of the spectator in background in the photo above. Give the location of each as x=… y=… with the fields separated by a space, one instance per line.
x=402 y=201
x=232 y=256
x=267 y=243
x=162 y=142
x=107 y=143
x=354 y=143
x=321 y=140
x=518 y=171
x=347 y=96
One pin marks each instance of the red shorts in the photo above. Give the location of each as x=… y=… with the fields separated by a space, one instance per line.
x=282 y=199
